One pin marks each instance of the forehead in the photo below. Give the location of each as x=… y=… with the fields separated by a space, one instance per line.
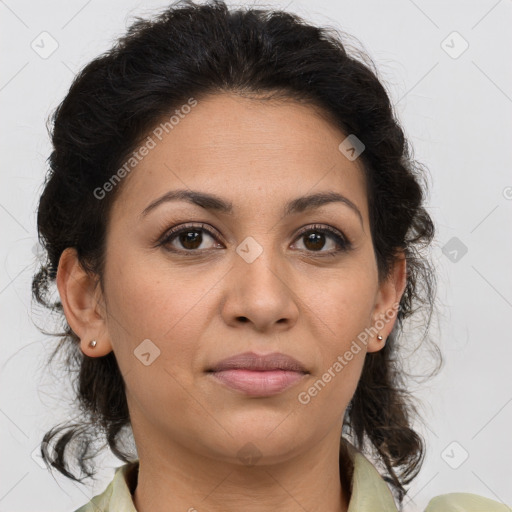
x=249 y=150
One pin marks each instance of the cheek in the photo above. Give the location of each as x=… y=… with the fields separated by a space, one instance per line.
x=169 y=307
x=331 y=388
x=341 y=314
x=341 y=311
x=153 y=300
x=147 y=302
x=343 y=306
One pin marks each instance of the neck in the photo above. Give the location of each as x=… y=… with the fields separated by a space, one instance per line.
x=314 y=480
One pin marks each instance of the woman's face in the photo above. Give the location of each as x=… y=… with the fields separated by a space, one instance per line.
x=243 y=280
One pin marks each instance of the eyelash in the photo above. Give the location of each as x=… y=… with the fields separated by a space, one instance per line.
x=344 y=245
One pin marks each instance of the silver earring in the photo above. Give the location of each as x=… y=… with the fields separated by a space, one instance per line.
x=93 y=343
x=379 y=337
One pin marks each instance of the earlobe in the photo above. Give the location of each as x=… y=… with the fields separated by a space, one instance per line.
x=78 y=293
x=387 y=303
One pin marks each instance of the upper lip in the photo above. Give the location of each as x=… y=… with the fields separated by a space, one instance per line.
x=253 y=361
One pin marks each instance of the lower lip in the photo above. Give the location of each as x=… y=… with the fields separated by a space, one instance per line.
x=259 y=383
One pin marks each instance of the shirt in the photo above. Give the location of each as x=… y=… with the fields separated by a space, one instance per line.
x=369 y=493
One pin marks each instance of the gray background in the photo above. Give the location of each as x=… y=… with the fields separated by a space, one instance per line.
x=456 y=109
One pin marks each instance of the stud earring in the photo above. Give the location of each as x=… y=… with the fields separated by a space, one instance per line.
x=93 y=343
x=379 y=337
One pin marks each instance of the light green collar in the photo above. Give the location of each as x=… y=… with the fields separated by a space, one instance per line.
x=369 y=490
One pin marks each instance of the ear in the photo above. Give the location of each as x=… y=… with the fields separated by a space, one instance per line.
x=387 y=301
x=82 y=302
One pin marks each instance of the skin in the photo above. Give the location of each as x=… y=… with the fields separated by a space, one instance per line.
x=200 y=309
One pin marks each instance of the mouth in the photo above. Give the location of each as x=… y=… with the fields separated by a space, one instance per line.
x=258 y=375
x=258 y=383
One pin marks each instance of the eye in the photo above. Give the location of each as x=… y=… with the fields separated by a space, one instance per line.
x=316 y=237
x=189 y=237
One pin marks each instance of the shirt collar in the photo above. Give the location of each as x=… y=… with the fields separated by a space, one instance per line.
x=369 y=490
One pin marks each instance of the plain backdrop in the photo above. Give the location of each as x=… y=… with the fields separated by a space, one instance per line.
x=445 y=67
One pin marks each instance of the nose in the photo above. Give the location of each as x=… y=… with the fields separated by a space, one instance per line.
x=261 y=293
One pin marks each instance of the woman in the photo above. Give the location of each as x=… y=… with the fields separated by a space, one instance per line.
x=235 y=226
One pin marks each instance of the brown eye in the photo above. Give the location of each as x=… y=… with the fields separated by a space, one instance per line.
x=188 y=239
x=314 y=241
x=317 y=238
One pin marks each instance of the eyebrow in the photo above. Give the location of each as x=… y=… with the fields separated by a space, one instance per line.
x=216 y=203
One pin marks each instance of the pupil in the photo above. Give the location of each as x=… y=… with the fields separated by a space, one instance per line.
x=316 y=239
x=191 y=239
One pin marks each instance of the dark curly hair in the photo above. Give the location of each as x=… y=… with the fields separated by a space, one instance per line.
x=191 y=50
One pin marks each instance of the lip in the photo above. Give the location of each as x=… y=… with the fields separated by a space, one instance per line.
x=258 y=383
x=259 y=375
x=260 y=362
